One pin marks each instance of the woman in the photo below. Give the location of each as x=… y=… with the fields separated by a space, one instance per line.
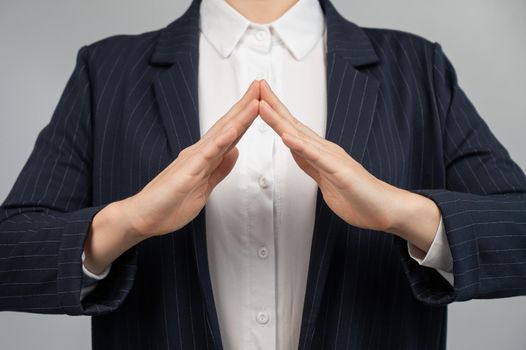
x=350 y=162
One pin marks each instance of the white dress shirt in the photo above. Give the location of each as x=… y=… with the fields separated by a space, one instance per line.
x=260 y=218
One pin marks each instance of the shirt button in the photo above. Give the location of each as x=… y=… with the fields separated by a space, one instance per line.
x=260 y=76
x=262 y=317
x=261 y=35
x=263 y=182
x=262 y=127
x=263 y=252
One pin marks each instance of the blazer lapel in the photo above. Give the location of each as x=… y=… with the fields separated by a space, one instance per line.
x=351 y=106
x=176 y=93
x=176 y=85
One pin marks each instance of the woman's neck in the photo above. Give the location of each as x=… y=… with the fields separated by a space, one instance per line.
x=261 y=11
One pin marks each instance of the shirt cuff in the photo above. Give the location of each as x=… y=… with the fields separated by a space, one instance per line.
x=89 y=279
x=90 y=274
x=438 y=256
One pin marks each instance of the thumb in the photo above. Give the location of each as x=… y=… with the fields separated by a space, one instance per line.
x=224 y=168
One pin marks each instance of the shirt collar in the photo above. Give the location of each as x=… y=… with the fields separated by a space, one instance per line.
x=299 y=28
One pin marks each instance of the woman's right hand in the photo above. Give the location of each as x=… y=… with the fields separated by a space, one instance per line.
x=177 y=194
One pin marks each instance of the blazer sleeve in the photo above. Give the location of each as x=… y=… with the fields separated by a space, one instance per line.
x=483 y=205
x=46 y=216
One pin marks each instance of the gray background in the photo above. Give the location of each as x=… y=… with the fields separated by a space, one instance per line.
x=39 y=41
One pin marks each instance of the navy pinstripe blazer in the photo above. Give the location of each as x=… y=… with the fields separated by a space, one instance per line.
x=393 y=103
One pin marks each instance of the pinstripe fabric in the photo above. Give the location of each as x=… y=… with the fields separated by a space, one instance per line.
x=393 y=103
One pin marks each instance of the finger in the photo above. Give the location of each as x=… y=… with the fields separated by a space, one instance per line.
x=268 y=95
x=279 y=124
x=228 y=137
x=322 y=161
x=273 y=103
x=233 y=144
x=251 y=94
x=282 y=125
x=223 y=169
x=201 y=160
x=245 y=118
x=217 y=146
x=306 y=167
x=243 y=122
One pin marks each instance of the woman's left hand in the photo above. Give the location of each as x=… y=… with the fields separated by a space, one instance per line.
x=352 y=193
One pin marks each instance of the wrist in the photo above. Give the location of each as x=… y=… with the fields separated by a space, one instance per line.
x=109 y=236
x=121 y=214
x=414 y=218
x=133 y=224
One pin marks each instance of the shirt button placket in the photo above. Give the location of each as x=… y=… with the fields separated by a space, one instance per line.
x=263 y=267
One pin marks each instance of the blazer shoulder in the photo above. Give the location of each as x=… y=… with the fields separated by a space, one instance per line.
x=128 y=49
x=386 y=36
x=389 y=43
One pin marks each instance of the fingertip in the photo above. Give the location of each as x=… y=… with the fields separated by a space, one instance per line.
x=254 y=104
x=259 y=89
x=256 y=89
x=251 y=109
x=251 y=89
x=263 y=85
x=267 y=93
